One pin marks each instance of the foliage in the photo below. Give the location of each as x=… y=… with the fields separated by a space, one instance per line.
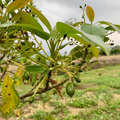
x=106 y=97
x=16 y=44
x=42 y=116
x=83 y=102
x=115 y=50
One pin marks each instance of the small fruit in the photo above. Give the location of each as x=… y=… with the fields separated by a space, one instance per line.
x=31 y=99
x=73 y=63
x=70 y=90
x=26 y=76
x=80 y=70
x=23 y=43
x=79 y=64
x=89 y=45
x=77 y=79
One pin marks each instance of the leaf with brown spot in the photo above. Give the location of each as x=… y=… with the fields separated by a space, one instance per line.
x=10 y=96
x=59 y=88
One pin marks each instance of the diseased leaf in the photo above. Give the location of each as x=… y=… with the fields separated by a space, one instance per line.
x=16 y=5
x=90 y=13
x=10 y=96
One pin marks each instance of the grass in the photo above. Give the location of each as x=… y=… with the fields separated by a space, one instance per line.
x=97 y=97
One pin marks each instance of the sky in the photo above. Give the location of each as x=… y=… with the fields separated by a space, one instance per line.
x=63 y=10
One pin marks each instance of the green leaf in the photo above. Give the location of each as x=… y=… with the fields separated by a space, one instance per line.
x=76 y=54
x=110 y=26
x=34 y=78
x=83 y=41
x=90 y=55
x=30 y=28
x=7 y=1
x=19 y=74
x=9 y=95
x=23 y=17
x=35 y=69
x=90 y=13
x=93 y=30
x=106 y=39
x=16 y=5
x=40 y=58
x=92 y=39
x=55 y=34
x=41 y=17
x=64 y=45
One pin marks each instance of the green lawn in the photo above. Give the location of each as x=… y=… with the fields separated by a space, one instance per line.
x=97 y=97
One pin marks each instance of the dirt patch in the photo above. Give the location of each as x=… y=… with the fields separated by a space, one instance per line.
x=114 y=75
x=75 y=111
x=85 y=86
x=116 y=96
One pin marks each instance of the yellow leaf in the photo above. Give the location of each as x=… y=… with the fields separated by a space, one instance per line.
x=90 y=13
x=16 y=5
x=10 y=96
x=18 y=112
x=19 y=73
x=59 y=88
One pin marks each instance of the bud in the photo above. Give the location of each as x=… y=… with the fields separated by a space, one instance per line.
x=112 y=44
x=80 y=6
x=65 y=35
x=88 y=45
x=73 y=63
x=80 y=70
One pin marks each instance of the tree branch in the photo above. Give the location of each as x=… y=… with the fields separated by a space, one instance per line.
x=40 y=91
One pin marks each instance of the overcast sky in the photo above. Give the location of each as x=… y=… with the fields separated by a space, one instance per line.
x=62 y=10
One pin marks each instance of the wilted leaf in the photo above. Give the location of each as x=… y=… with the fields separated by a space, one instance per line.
x=18 y=112
x=10 y=96
x=59 y=88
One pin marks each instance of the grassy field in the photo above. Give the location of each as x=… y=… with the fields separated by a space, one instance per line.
x=97 y=97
